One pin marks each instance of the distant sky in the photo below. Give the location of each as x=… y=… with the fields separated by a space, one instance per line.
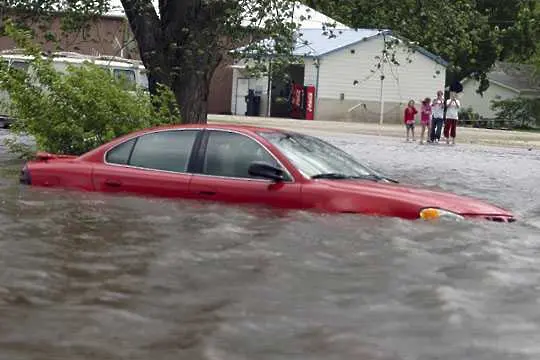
x=316 y=20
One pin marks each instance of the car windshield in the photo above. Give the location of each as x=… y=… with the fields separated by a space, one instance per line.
x=315 y=158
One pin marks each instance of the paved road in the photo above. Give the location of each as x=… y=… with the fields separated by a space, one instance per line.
x=464 y=135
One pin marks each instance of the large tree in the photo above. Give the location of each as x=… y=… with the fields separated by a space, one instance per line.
x=522 y=37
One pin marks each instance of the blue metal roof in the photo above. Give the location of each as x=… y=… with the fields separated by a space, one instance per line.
x=316 y=43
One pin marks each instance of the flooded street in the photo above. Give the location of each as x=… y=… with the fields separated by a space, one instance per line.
x=89 y=276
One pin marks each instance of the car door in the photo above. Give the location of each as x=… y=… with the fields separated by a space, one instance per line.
x=155 y=164
x=223 y=173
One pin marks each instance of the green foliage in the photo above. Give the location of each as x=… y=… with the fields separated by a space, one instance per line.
x=78 y=13
x=518 y=112
x=74 y=112
x=468 y=117
x=4 y=106
x=521 y=39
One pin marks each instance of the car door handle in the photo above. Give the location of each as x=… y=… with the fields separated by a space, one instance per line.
x=113 y=183
x=207 y=193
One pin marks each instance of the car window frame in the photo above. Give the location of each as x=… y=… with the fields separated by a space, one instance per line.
x=191 y=161
x=26 y=65
x=201 y=154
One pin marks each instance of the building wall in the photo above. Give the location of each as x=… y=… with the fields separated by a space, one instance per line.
x=105 y=36
x=481 y=104
x=369 y=111
x=221 y=87
x=237 y=100
x=338 y=93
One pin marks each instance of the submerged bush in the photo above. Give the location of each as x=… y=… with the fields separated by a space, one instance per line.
x=73 y=112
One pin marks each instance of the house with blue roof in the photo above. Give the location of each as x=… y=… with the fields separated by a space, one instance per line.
x=352 y=78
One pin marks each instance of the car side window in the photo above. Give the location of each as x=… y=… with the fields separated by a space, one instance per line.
x=230 y=154
x=120 y=153
x=165 y=150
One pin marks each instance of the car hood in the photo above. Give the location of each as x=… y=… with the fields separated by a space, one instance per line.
x=419 y=196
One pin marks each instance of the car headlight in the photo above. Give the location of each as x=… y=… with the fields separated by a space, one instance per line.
x=435 y=213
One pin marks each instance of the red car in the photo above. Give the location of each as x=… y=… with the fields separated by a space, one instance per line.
x=247 y=165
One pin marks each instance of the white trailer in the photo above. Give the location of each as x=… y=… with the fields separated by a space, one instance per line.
x=131 y=70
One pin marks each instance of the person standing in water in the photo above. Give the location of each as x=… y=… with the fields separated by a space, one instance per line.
x=452 y=115
x=438 y=115
x=408 y=119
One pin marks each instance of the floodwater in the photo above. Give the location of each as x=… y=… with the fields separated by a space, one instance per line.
x=88 y=276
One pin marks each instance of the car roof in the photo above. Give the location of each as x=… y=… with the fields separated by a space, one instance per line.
x=97 y=152
x=242 y=128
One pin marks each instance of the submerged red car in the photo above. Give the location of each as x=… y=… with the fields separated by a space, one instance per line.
x=247 y=165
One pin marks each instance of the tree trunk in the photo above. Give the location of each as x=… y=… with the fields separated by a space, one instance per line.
x=181 y=49
x=191 y=85
x=192 y=98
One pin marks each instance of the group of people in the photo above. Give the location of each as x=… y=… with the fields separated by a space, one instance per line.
x=433 y=120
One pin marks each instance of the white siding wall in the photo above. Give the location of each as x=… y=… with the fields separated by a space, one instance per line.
x=310 y=72
x=414 y=80
x=482 y=103
x=257 y=84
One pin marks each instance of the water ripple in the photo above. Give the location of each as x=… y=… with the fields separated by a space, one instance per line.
x=89 y=276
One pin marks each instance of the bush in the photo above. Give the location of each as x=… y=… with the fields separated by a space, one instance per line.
x=468 y=117
x=74 y=112
x=518 y=112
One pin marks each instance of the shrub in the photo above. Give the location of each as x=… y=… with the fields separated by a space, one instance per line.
x=518 y=112
x=468 y=117
x=74 y=112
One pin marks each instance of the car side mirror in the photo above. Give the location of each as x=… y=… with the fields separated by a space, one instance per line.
x=265 y=170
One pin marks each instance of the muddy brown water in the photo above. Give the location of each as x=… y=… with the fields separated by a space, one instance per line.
x=89 y=276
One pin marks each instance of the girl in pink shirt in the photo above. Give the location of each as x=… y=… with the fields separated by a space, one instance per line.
x=425 y=118
x=408 y=118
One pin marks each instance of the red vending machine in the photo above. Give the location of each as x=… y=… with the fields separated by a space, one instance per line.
x=310 y=102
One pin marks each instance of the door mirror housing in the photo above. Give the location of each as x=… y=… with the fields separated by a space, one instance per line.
x=267 y=171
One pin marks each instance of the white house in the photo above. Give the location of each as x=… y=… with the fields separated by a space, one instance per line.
x=344 y=69
x=506 y=81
